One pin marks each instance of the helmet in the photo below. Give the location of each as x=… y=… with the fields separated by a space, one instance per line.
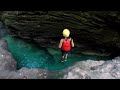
x=66 y=33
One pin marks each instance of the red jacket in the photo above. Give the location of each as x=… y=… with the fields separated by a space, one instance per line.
x=66 y=45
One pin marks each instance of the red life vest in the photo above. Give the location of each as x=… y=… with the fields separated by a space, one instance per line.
x=66 y=46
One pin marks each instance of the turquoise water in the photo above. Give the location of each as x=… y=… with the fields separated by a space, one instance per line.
x=30 y=56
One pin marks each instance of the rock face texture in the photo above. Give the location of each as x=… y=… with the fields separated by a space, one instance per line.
x=91 y=30
x=94 y=70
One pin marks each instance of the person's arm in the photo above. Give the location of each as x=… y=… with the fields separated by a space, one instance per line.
x=60 y=44
x=72 y=43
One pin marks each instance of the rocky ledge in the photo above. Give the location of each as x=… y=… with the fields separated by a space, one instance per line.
x=95 y=70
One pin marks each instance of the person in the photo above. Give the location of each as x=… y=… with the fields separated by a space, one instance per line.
x=65 y=44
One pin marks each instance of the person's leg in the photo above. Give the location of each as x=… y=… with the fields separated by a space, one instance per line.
x=62 y=57
x=66 y=56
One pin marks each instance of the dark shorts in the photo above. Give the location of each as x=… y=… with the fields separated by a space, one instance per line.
x=65 y=52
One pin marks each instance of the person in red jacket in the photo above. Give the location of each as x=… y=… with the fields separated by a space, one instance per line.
x=65 y=44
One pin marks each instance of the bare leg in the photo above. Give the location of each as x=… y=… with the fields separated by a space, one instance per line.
x=66 y=55
x=62 y=58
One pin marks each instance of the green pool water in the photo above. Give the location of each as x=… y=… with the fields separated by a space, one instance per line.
x=30 y=56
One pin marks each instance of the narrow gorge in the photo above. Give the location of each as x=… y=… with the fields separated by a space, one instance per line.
x=29 y=44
